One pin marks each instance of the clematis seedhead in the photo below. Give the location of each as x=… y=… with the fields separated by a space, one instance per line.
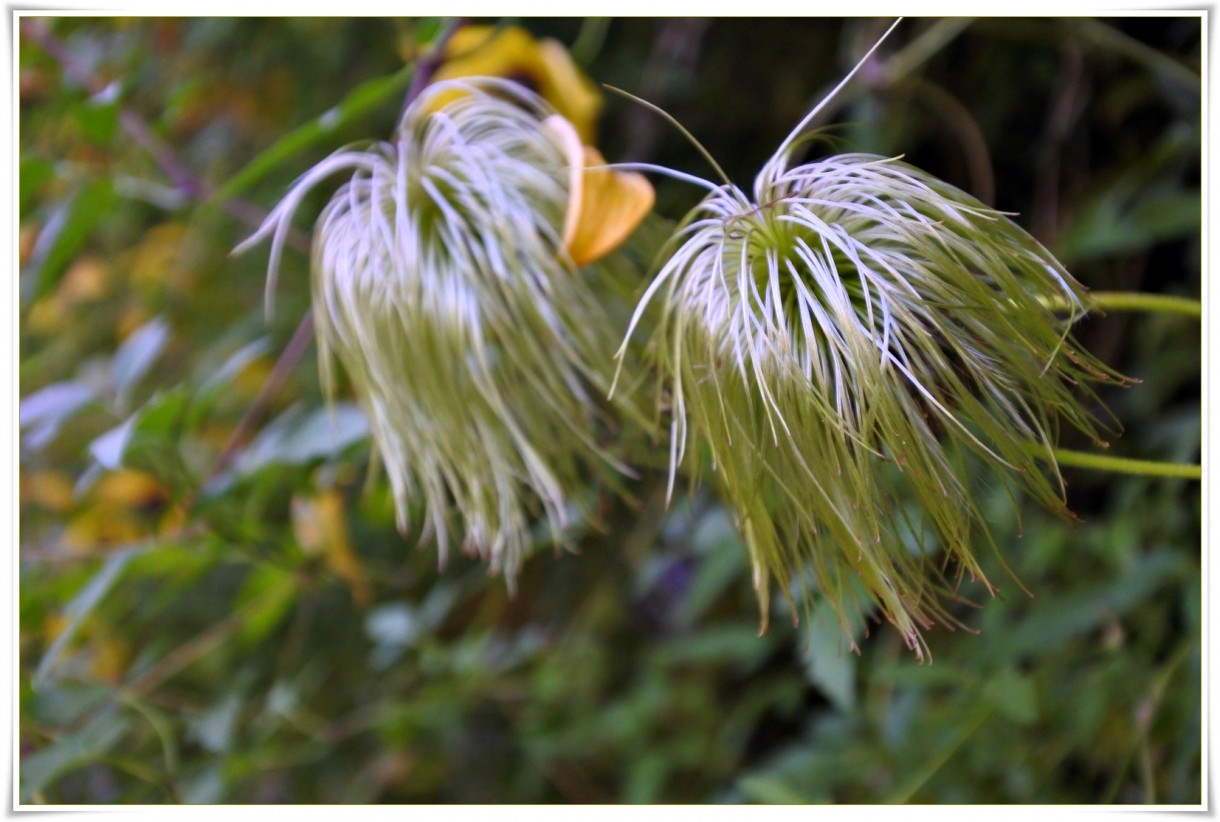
x=479 y=349
x=848 y=345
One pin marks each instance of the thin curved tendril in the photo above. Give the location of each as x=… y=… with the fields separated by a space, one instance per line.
x=707 y=155
x=786 y=144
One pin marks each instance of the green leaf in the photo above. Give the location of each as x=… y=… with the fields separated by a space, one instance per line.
x=233 y=366
x=1058 y=620
x=722 y=560
x=215 y=729
x=148 y=439
x=829 y=665
x=108 y=449
x=35 y=173
x=1109 y=227
x=70 y=752
x=46 y=410
x=363 y=99
x=67 y=703
x=99 y=117
x=771 y=790
x=295 y=438
x=65 y=234
x=217 y=377
x=739 y=644
x=149 y=433
x=269 y=594
x=81 y=606
x=136 y=356
x=1169 y=215
x=1013 y=696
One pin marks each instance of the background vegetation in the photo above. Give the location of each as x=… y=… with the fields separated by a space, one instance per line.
x=261 y=633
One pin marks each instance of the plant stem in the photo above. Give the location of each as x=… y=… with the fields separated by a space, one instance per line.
x=589 y=41
x=271 y=386
x=429 y=63
x=934 y=764
x=1137 y=301
x=924 y=47
x=1100 y=35
x=1124 y=465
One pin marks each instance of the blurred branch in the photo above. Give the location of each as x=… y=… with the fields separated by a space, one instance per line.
x=288 y=360
x=675 y=51
x=1066 y=106
x=1145 y=714
x=1099 y=34
x=925 y=47
x=953 y=115
x=194 y=649
x=429 y=63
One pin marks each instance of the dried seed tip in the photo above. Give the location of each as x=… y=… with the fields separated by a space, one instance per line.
x=476 y=347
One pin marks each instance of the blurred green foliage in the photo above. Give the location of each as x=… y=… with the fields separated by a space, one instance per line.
x=265 y=635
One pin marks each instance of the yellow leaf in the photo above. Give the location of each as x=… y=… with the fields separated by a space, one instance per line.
x=84 y=281
x=604 y=205
x=99 y=526
x=158 y=255
x=124 y=506
x=26 y=241
x=49 y=489
x=320 y=526
x=53 y=625
x=129 y=488
x=131 y=318
x=109 y=654
x=251 y=379
x=544 y=66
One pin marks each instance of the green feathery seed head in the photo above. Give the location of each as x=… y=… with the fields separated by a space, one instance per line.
x=847 y=345
x=477 y=348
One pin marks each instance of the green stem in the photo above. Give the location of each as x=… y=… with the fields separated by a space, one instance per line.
x=1123 y=465
x=1136 y=301
x=927 y=45
x=589 y=41
x=904 y=794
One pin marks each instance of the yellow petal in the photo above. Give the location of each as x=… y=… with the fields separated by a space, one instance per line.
x=604 y=205
x=565 y=87
x=613 y=204
x=545 y=66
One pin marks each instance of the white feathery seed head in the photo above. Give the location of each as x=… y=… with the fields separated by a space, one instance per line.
x=477 y=347
x=848 y=345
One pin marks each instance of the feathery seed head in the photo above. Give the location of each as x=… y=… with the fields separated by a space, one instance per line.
x=441 y=282
x=856 y=327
